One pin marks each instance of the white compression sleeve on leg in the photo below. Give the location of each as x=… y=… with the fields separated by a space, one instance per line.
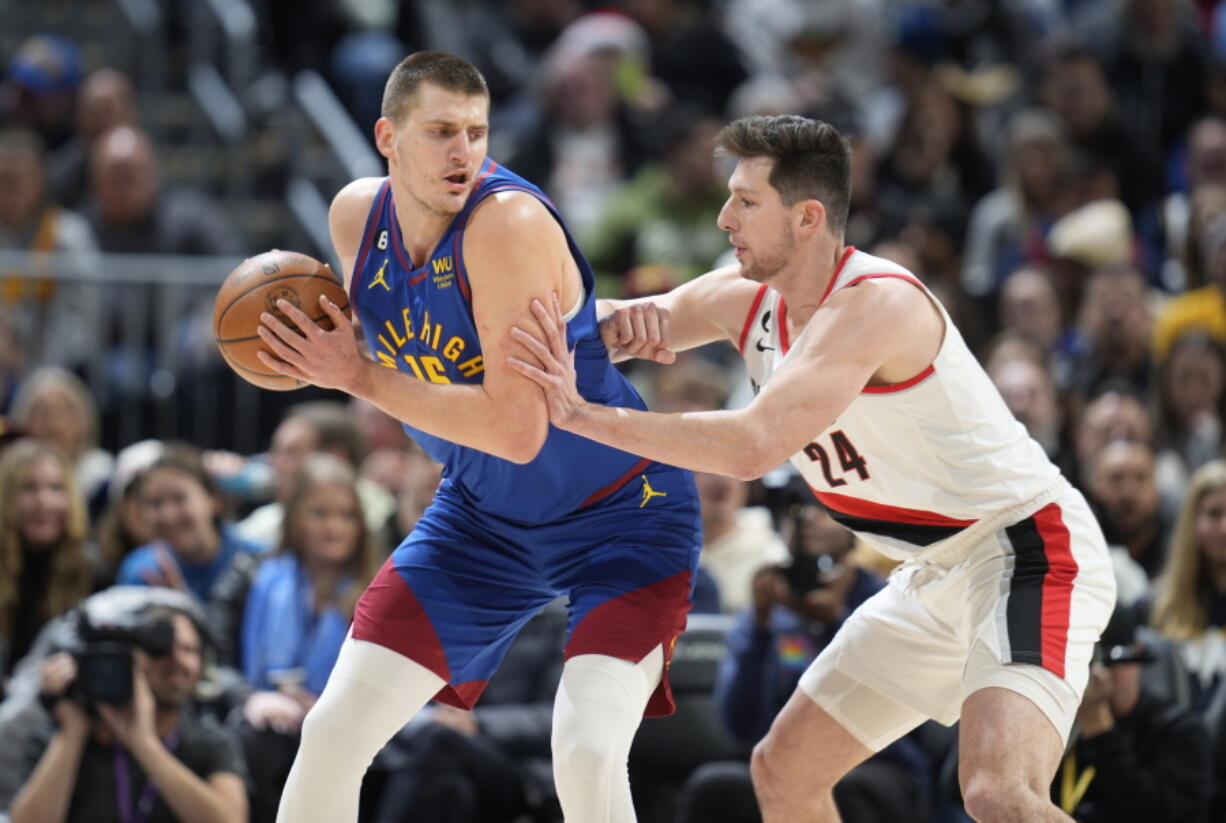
x=599 y=706
x=371 y=693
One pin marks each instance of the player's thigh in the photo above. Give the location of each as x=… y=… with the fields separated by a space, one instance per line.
x=806 y=747
x=1006 y=739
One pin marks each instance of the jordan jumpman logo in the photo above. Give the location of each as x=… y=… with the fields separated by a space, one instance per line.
x=378 y=279
x=649 y=492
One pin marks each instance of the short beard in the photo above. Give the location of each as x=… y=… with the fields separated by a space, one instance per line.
x=768 y=263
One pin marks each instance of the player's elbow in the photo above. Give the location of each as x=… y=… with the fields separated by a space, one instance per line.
x=754 y=459
x=522 y=443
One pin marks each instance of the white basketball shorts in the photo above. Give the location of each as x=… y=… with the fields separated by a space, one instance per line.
x=1018 y=605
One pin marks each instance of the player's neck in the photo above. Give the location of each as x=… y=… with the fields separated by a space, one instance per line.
x=805 y=282
x=421 y=228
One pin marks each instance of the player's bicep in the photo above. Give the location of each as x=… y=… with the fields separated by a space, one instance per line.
x=831 y=362
x=513 y=255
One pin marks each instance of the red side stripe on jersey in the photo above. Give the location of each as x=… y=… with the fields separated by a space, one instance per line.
x=753 y=311
x=834 y=278
x=1057 y=587
x=600 y=494
x=856 y=507
x=372 y=220
x=906 y=384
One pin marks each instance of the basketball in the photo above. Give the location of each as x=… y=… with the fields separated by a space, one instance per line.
x=254 y=287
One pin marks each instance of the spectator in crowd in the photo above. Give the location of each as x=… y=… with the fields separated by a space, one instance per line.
x=123 y=526
x=1030 y=306
x=44 y=569
x=1124 y=493
x=1202 y=309
x=659 y=229
x=1116 y=412
x=1155 y=61
x=316 y=426
x=691 y=52
x=54 y=405
x=152 y=759
x=1189 y=603
x=737 y=539
x=1008 y=225
x=106 y=101
x=1205 y=171
x=132 y=212
x=55 y=316
x=40 y=89
x=1074 y=86
x=796 y=610
x=1184 y=267
x=1115 y=328
x=1133 y=756
x=587 y=140
x=193 y=545
x=281 y=621
x=1191 y=400
x=1030 y=394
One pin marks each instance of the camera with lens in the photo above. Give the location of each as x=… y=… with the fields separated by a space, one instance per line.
x=806 y=572
x=104 y=654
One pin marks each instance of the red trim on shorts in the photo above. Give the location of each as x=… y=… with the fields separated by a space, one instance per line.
x=389 y=614
x=834 y=278
x=616 y=485
x=753 y=311
x=632 y=624
x=890 y=388
x=855 y=507
x=1057 y=587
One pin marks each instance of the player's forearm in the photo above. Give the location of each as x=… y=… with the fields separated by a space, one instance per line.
x=45 y=796
x=719 y=442
x=462 y=413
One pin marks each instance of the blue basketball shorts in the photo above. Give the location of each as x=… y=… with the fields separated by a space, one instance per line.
x=455 y=593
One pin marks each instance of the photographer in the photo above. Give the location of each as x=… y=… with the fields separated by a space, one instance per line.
x=797 y=609
x=1133 y=756
x=145 y=759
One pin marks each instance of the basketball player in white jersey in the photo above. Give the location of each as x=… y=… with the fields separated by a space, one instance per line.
x=867 y=387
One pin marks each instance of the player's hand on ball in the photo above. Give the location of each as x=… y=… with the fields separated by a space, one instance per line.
x=556 y=372
x=637 y=330
x=328 y=359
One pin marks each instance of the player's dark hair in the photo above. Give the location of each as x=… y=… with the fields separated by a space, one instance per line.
x=812 y=159
x=438 y=68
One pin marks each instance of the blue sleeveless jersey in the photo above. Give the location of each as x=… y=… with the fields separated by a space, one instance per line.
x=419 y=320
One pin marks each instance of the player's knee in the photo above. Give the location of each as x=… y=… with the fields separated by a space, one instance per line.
x=996 y=798
x=773 y=782
x=582 y=756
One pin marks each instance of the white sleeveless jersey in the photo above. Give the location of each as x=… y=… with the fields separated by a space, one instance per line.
x=909 y=465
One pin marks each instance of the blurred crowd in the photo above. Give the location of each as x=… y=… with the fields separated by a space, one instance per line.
x=1054 y=170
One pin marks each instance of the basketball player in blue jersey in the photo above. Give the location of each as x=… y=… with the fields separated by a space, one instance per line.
x=441 y=259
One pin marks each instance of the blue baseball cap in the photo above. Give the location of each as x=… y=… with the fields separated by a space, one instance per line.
x=46 y=64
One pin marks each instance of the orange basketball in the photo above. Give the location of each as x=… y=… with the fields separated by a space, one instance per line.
x=255 y=287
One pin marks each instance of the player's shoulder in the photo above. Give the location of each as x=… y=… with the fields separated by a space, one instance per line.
x=513 y=215
x=351 y=205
